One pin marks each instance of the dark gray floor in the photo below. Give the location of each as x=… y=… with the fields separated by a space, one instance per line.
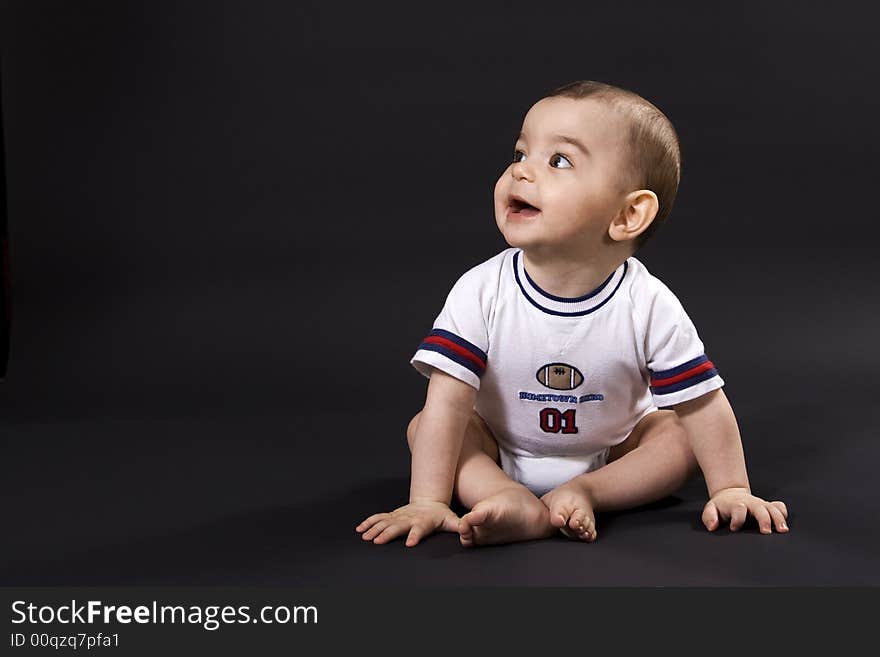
x=210 y=501
x=211 y=481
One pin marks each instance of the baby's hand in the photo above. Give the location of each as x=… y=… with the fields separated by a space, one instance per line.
x=736 y=504
x=419 y=518
x=571 y=511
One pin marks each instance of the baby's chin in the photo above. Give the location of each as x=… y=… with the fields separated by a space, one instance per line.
x=514 y=237
x=513 y=221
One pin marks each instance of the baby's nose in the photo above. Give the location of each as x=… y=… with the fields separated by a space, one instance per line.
x=520 y=171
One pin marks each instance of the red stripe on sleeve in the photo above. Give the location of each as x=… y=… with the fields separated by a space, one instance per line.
x=457 y=348
x=702 y=367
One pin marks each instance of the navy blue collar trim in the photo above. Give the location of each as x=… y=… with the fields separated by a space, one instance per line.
x=588 y=295
x=553 y=298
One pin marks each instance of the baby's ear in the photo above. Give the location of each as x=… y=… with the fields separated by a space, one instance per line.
x=636 y=214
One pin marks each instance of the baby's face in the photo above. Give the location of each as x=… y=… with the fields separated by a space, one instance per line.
x=568 y=166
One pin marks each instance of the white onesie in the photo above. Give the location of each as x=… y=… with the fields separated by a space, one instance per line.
x=561 y=380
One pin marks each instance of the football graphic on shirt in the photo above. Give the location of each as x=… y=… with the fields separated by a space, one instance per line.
x=559 y=376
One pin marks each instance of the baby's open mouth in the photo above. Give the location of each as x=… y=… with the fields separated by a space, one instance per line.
x=517 y=205
x=518 y=209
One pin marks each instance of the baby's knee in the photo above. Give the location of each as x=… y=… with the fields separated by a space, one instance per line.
x=676 y=436
x=486 y=440
x=483 y=436
x=674 y=429
x=670 y=430
x=411 y=430
x=666 y=428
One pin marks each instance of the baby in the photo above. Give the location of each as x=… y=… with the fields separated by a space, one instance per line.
x=565 y=379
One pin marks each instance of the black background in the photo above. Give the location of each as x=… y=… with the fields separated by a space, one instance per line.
x=231 y=224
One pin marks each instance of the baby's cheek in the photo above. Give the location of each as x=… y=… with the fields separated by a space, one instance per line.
x=500 y=196
x=501 y=186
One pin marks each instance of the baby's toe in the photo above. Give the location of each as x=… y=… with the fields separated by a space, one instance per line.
x=477 y=516
x=465 y=532
x=580 y=521
x=587 y=530
x=559 y=519
x=568 y=533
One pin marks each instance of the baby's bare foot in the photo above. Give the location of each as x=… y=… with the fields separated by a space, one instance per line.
x=581 y=525
x=514 y=514
x=571 y=511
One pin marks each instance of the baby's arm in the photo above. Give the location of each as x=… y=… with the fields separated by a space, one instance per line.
x=435 y=452
x=715 y=440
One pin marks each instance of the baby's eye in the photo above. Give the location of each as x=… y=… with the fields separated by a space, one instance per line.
x=562 y=158
x=516 y=155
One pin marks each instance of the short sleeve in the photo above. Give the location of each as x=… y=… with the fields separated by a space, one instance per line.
x=459 y=340
x=677 y=363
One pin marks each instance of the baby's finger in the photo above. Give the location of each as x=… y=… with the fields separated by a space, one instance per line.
x=369 y=522
x=391 y=532
x=710 y=516
x=778 y=518
x=738 y=516
x=781 y=506
x=762 y=515
x=375 y=530
x=415 y=535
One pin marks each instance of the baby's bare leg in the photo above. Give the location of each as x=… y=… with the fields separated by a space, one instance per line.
x=502 y=510
x=477 y=474
x=653 y=462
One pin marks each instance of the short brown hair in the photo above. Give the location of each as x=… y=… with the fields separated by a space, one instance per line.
x=654 y=154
